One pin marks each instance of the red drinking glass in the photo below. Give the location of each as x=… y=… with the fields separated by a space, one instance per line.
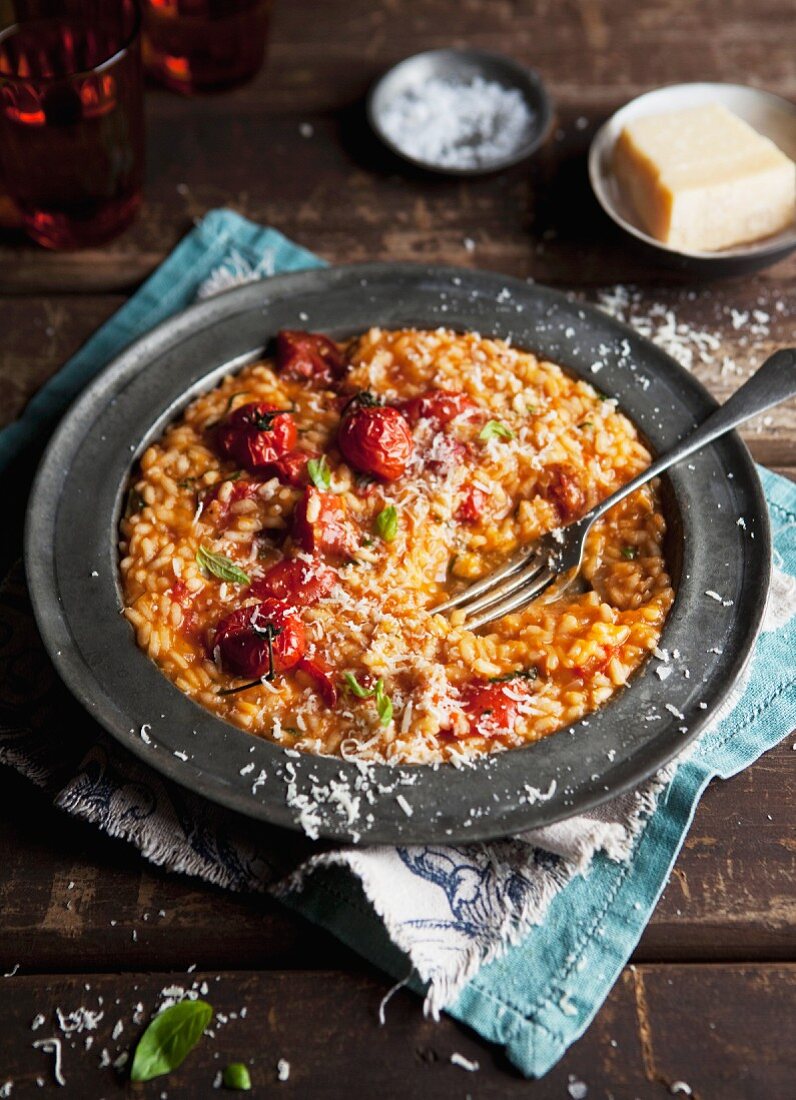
x=71 y=118
x=205 y=45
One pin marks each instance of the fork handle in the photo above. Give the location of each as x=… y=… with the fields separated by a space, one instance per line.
x=772 y=383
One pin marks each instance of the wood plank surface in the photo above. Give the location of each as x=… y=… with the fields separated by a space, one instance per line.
x=659 y=1026
x=72 y=899
x=245 y=149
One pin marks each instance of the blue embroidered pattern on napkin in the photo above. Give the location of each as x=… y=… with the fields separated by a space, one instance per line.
x=521 y=939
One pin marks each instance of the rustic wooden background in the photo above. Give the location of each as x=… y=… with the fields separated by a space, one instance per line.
x=711 y=989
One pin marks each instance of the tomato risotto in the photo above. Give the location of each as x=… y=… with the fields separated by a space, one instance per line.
x=286 y=540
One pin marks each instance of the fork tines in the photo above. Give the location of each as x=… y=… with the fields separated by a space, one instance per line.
x=507 y=589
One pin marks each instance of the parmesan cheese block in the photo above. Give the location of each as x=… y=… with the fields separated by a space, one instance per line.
x=702 y=179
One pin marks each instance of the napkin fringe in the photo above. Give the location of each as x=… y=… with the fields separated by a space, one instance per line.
x=576 y=842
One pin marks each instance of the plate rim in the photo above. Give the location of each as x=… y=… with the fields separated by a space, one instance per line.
x=170 y=332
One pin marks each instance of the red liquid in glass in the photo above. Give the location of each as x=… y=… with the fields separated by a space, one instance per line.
x=71 y=126
x=204 y=45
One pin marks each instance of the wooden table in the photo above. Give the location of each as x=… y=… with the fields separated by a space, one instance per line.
x=711 y=987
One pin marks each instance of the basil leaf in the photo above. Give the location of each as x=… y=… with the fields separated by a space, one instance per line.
x=494 y=428
x=387 y=522
x=383 y=701
x=220 y=567
x=383 y=704
x=170 y=1037
x=356 y=688
x=319 y=473
x=236 y=1076
x=629 y=552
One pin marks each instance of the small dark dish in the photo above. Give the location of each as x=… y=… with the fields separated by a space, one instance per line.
x=770 y=115
x=72 y=560
x=464 y=65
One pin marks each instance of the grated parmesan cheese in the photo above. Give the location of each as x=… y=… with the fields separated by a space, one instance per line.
x=457 y=123
x=464 y=1063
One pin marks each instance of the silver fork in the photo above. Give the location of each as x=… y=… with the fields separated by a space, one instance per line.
x=561 y=552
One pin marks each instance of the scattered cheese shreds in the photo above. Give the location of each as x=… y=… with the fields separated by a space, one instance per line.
x=405 y=806
x=464 y=1063
x=52 y=1046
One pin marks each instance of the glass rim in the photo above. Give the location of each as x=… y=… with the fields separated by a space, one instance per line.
x=100 y=67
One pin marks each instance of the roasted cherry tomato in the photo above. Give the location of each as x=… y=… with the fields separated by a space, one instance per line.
x=250 y=637
x=308 y=356
x=257 y=434
x=564 y=492
x=472 y=506
x=375 y=439
x=291 y=469
x=295 y=582
x=492 y=708
x=439 y=407
x=320 y=674
x=320 y=523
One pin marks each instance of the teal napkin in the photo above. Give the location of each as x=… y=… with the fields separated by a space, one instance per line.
x=537 y=996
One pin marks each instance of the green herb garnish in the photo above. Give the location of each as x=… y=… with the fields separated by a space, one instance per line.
x=186 y=483
x=383 y=704
x=356 y=688
x=219 y=566
x=319 y=472
x=383 y=701
x=387 y=523
x=531 y=673
x=236 y=1076
x=586 y=424
x=170 y=1037
x=629 y=552
x=494 y=429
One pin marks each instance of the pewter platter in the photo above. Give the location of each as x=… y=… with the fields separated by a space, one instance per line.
x=71 y=561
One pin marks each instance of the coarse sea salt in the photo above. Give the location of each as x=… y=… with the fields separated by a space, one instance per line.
x=458 y=123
